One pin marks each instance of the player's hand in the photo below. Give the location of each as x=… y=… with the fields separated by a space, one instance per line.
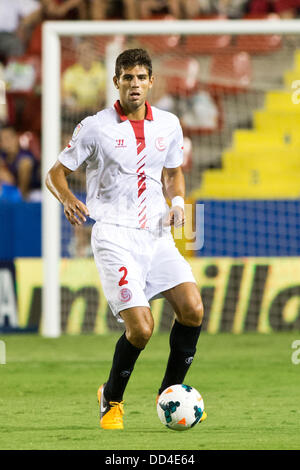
x=75 y=210
x=176 y=217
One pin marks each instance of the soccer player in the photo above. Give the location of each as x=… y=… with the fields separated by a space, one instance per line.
x=127 y=149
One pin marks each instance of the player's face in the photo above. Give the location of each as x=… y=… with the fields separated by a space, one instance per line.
x=133 y=85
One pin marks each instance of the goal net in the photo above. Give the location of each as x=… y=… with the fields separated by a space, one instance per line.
x=235 y=87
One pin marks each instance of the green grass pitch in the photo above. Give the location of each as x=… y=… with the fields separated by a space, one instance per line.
x=249 y=384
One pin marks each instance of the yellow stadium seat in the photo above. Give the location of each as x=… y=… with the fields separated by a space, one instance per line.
x=297 y=60
x=257 y=184
x=280 y=100
x=293 y=75
x=290 y=77
x=284 y=121
x=263 y=162
x=245 y=139
x=256 y=160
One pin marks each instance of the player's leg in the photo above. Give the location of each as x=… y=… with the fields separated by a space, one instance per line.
x=139 y=327
x=186 y=301
x=123 y=280
x=172 y=276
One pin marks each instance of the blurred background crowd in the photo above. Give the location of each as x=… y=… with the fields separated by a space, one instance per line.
x=83 y=74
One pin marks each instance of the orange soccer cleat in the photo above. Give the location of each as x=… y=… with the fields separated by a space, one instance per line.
x=111 y=413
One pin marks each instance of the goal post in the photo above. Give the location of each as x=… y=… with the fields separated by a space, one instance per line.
x=53 y=31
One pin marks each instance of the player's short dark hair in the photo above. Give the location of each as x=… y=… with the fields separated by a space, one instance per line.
x=132 y=57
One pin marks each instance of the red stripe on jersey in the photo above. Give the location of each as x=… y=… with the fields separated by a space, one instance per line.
x=138 y=128
x=143 y=219
x=138 y=170
x=141 y=178
x=141 y=160
x=142 y=211
x=142 y=202
x=142 y=189
x=144 y=224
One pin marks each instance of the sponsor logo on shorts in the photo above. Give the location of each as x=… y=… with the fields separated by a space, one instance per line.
x=160 y=144
x=125 y=295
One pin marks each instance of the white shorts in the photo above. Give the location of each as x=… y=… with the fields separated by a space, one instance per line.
x=135 y=265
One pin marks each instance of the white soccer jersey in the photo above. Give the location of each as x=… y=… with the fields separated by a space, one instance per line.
x=124 y=164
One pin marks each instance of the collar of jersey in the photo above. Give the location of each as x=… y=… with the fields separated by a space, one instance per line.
x=123 y=117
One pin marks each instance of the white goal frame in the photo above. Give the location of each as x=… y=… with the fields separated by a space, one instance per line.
x=52 y=31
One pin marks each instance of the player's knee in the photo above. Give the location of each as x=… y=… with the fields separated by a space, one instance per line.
x=193 y=314
x=199 y=313
x=140 y=334
x=146 y=333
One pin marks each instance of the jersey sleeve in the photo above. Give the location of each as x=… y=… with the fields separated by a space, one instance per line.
x=174 y=156
x=81 y=146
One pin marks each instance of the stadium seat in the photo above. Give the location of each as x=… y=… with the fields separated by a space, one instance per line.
x=282 y=158
x=214 y=100
x=231 y=72
x=223 y=184
x=262 y=163
x=252 y=139
x=280 y=100
x=100 y=43
x=206 y=44
x=282 y=121
x=160 y=44
x=182 y=79
x=259 y=44
x=181 y=74
x=293 y=75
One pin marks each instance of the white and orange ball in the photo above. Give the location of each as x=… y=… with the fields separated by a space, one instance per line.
x=180 y=407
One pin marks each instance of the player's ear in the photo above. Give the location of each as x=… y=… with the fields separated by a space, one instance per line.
x=116 y=82
x=151 y=80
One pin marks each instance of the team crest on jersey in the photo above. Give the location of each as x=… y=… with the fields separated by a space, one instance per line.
x=160 y=143
x=125 y=294
x=76 y=131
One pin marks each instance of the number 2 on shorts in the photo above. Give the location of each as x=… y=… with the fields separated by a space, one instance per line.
x=123 y=278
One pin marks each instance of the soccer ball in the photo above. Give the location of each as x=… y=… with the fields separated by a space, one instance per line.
x=180 y=407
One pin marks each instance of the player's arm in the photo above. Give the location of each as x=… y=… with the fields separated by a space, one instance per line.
x=174 y=189
x=24 y=175
x=56 y=181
